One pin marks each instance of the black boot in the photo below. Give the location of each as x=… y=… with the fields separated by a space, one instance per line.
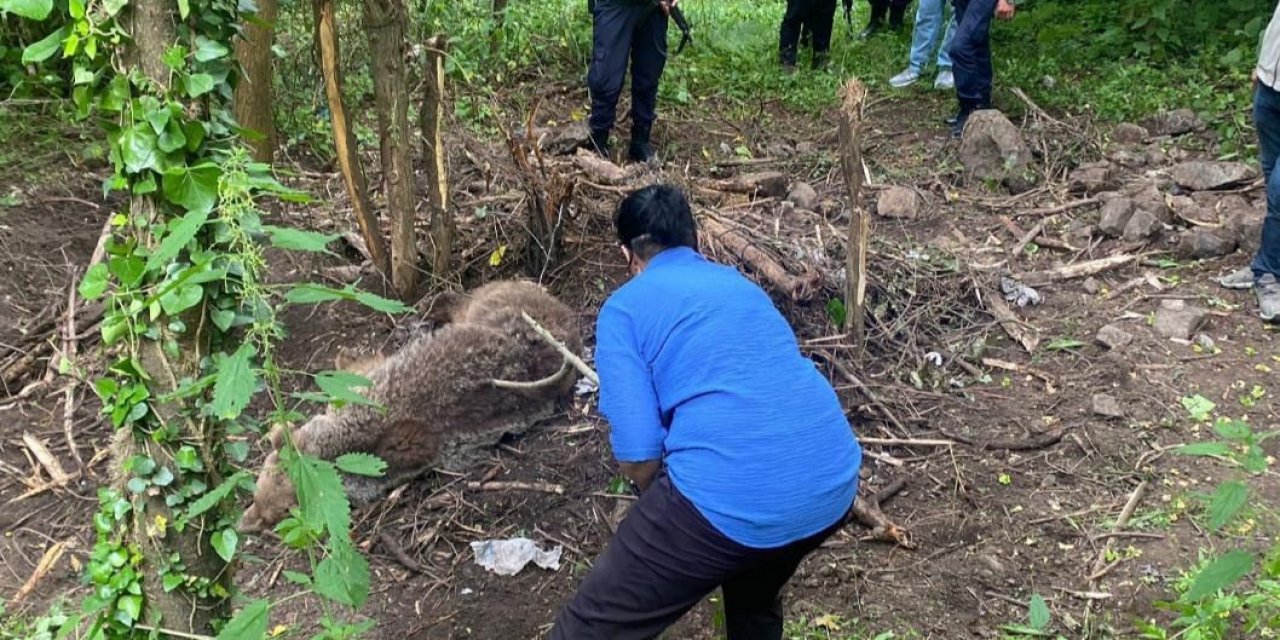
x=599 y=142
x=967 y=107
x=820 y=60
x=896 y=17
x=640 y=149
x=874 y=24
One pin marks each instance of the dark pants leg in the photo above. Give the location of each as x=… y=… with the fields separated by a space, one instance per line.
x=622 y=32
x=822 y=15
x=971 y=51
x=663 y=560
x=879 y=8
x=897 y=13
x=1266 y=118
x=789 y=34
x=648 y=59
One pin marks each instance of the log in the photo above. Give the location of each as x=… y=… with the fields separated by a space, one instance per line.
x=1077 y=270
x=796 y=287
x=772 y=184
x=853 y=96
x=433 y=153
x=1029 y=338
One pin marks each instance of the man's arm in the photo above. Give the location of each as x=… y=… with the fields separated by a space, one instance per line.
x=628 y=398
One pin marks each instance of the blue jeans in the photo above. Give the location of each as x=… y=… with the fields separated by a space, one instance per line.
x=971 y=50
x=1266 y=118
x=924 y=36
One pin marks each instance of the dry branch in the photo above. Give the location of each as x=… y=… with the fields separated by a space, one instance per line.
x=543 y=487
x=1077 y=270
x=47 y=460
x=867 y=512
x=853 y=97
x=1066 y=206
x=433 y=154
x=46 y=564
x=1028 y=337
x=796 y=287
x=569 y=356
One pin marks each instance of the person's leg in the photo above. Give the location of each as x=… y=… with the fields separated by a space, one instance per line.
x=946 y=78
x=664 y=558
x=970 y=57
x=923 y=36
x=1266 y=262
x=613 y=24
x=878 y=10
x=898 y=13
x=648 y=59
x=789 y=33
x=752 y=598
x=822 y=17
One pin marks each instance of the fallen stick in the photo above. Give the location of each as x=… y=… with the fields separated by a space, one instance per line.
x=69 y=347
x=498 y=485
x=1028 y=338
x=1027 y=238
x=1078 y=270
x=47 y=561
x=1040 y=441
x=1048 y=380
x=398 y=553
x=883 y=457
x=573 y=359
x=908 y=442
x=797 y=287
x=890 y=490
x=47 y=460
x=871 y=395
x=1100 y=566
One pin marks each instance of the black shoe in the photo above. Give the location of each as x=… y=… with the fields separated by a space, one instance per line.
x=962 y=116
x=820 y=61
x=873 y=27
x=599 y=142
x=640 y=150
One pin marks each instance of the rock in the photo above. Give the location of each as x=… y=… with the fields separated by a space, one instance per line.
x=1200 y=243
x=1113 y=337
x=805 y=147
x=1156 y=155
x=1188 y=209
x=1205 y=343
x=1107 y=406
x=1244 y=225
x=1091 y=178
x=765 y=184
x=1147 y=197
x=1199 y=175
x=1142 y=225
x=1129 y=159
x=992 y=148
x=1091 y=286
x=802 y=196
x=1115 y=215
x=1129 y=133
x=898 y=202
x=1174 y=123
x=1176 y=319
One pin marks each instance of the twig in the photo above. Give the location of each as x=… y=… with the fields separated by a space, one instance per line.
x=1077 y=270
x=69 y=353
x=398 y=553
x=47 y=460
x=1040 y=441
x=577 y=362
x=1048 y=211
x=544 y=487
x=1100 y=566
x=1026 y=239
x=1029 y=338
x=871 y=395
x=908 y=442
x=883 y=457
x=172 y=632
x=50 y=558
x=890 y=490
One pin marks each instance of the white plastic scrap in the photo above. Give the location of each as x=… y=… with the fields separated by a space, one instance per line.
x=508 y=557
x=585 y=387
x=1018 y=293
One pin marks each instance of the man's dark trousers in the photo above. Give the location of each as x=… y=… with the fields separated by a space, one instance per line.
x=1266 y=118
x=625 y=30
x=663 y=560
x=896 y=10
x=814 y=18
x=971 y=51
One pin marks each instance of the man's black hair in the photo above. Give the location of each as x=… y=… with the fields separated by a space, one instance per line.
x=654 y=218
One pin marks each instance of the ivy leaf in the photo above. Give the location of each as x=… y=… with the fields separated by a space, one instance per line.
x=180 y=233
x=172 y=138
x=1220 y=574
x=195 y=188
x=195 y=134
x=1226 y=502
x=159 y=118
x=43 y=49
x=188 y=459
x=338 y=386
x=224 y=542
x=138 y=148
x=361 y=464
x=94 y=283
x=207 y=49
x=181 y=299
x=128 y=269
x=36 y=10
x=1038 y=612
x=343 y=576
x=199 y=84
x=235 y=383
x=184 y=8
x=163 y=476
x=129 y=607
x=113 y=7
x=251 y=622
x=216 y=495
x=222 y=318
x=299 y=240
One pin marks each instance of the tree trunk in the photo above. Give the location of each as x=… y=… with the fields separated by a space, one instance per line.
x=854 y=94
x=253 y=93
x=344 y=140
x=433 y=154
x=384 y=26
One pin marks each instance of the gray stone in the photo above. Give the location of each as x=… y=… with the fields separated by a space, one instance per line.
x=1091 y=286
x=1156 y=155
x=1113 y=337
x=898 y=202
x=1129 y=159
x=1192 y=211
x=992 y=148
x=1147 y=197
x=1107 y=406
x=1205 y=343
x=1091 y=178
x=1199 y=175
x=1244 y=225
x=1174 y=123
x=1142 y=225
x=802 y=196
x=1115 y=215
x=1176 y=319
x=1129 y=133
x=1201 y=243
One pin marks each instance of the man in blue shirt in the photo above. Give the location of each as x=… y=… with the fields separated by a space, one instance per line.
x=739 y=446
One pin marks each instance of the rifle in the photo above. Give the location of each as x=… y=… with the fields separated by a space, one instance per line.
x=677 y=14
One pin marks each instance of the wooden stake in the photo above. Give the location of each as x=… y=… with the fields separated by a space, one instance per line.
x=433 y=153
x=853 y=96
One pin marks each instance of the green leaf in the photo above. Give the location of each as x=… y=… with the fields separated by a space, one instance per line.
x=36 y=10
x=1232 y=429
x=1226 y=502
x=207 y=49
x=94 y=283
x=251 y=622
x=224 y=542
x=314 y=293
x=159 y=118
x=199 y=84
x=299 y=240
x=836 y=311
x=172 y=138
x=321 y=498
x=195 y=134
x=136 y=485
x=343 y=576
x=301 y=579
x=181 y=299
x=188 y=459
x=235 y=383
x=43 y=49
x=138 y=148
x=212 y=497
x=184 y=8
x=163 y=476
x=195 y=188
x=128 y=269
x=180 y=233
x=379 y=303
x=361 y=464
x=1220 y=574
x=339 y=387
x=1198 y=406
x=222 y=318
x=1203 y=449
x=171 y=581
x=75 y=8
x=114 y=6
x=130 y=606
x=1064 y=344
x=1038 y=612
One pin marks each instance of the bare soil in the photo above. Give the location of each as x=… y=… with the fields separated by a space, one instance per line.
x=994 y=525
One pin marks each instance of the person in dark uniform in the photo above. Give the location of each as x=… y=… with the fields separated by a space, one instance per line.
x=806 y=23
x=895 y=9
x=635 y=31
x=971 y=56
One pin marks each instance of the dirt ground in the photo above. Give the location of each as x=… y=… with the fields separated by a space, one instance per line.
x=1023 y=503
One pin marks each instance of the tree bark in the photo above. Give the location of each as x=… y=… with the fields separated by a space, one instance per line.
x=853 y=96
x=384 y=26
x=433 y=154
x=344 y=140
x=253 y=94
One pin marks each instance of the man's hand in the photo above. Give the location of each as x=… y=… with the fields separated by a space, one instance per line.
x=641 y=473
x=1005 y=9
x=1253 y=78
x=667 y=6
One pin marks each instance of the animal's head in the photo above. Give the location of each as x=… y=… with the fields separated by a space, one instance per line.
x=274 y=495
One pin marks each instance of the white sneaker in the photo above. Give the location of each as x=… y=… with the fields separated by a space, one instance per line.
x=904 y=79
x=945 y=80
x=1241 y=278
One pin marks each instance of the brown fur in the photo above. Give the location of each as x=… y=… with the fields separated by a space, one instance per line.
x=441 y=406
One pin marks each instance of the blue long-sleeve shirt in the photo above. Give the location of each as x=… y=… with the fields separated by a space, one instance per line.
x=698 y=368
